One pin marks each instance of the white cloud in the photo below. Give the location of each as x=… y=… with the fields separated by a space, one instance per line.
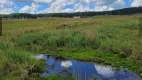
x=29 y=9
x=79 y=7
x=71 y=2
x=23 y=0
x=105 y=5
x=136 y=3
x=39 y=1
x=68 y=10
x=6 y=7
x=83 y=5
x=103 y=8
x=66 y=64
x=56 y=6
x=44 y=1
x=104 y=70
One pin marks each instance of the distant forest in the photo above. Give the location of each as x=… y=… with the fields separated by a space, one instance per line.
x=125 y=11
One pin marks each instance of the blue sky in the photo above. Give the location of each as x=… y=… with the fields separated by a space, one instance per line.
x=55 y=6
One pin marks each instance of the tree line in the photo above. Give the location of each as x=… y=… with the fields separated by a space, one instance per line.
x=125 y=11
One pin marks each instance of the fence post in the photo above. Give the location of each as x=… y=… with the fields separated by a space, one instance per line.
x=0 y=26
x=140 y=27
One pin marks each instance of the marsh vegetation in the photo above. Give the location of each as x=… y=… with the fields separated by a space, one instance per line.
x=111 y=40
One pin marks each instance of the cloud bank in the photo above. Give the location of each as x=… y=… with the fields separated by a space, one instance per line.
x=6 y=7
x=136 y=3
x=55 y=6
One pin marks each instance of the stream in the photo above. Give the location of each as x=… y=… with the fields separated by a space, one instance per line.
x=84 y=70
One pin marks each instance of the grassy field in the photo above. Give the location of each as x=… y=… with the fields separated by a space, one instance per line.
x=111 y=40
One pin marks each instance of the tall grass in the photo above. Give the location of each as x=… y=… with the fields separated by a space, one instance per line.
x=111 y=39
x=16 y=64
x=54 y=40
x=116 y=39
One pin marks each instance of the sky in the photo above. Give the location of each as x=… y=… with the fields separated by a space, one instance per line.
x=58 y=6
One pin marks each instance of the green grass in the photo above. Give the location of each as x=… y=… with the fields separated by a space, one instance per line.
x=56 y=77
x=55 y=40
x=110 y=40
x=105 y=58
x=16 y=64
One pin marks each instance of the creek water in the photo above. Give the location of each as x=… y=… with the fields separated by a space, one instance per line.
x=84 y=70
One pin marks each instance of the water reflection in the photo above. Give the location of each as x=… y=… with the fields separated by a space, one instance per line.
x=66 y=64
x=41 y=57
x=84 y=70
x=105 y=70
